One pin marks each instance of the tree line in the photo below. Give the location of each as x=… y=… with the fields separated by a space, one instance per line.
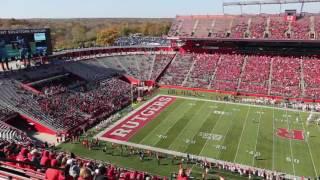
x=75 y=33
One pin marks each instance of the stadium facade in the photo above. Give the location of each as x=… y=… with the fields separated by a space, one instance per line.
x=273 y=57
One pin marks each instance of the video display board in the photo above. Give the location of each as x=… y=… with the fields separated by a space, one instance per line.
x=24 y=43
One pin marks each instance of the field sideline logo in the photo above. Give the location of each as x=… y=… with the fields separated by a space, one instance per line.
x=293 y=134
x=140 y=118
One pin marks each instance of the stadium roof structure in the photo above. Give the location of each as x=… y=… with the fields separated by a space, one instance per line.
x=268 y=2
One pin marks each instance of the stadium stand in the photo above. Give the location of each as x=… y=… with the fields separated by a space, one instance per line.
x=178 y=70
x=228 y=72
x=159 y=64
x=258 y=26
x=202 y=71
x=86 y=89
x=8 y=132
x=255 y=77
x=286 y=77
x=311 y=77
x=41 y=162
x=137 y=40
x=265 y=26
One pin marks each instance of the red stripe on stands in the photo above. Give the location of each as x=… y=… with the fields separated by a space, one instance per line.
x=39 y=127
x=130 y=126
x=30 y=88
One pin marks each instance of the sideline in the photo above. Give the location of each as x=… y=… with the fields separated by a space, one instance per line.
x=242 y=104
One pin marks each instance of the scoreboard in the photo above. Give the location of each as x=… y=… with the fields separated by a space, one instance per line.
x=24 y=43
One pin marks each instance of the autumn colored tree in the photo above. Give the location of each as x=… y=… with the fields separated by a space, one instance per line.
x=107 y=36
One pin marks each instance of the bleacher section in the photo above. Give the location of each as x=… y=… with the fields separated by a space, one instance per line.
x=253 y=74
x=202 y=71
x=62 y=107
x=228 y=72
x=61 y=112
x=159 y=64
x=264 y=26
x=178 y=69
x=8 y=132
x=286 y=77
x=311 y=76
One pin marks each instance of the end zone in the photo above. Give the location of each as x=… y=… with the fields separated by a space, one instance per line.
x=129 y=125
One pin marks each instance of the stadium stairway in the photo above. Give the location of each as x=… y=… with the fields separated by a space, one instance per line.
x=189 y=72
x=214 y=73
x=152 y=65
x=302 y=83
x=242 y=71
x=270 y=77
x=166 y=67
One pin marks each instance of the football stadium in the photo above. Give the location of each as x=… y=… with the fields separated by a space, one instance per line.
x=221 y=96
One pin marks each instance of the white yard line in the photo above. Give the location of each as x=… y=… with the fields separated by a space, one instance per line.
x=243 y=127
x=224 y=138
x=255 y=148
x=155 y=129
x=203 y=147
x=100 y=136
x=292 y=160
x=182 y=131
x=309 y=148
x=197 y=99
x=165 y=151
x=273 y=132
x=207 y=139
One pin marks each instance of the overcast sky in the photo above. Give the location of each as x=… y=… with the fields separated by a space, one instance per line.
x=127 y=8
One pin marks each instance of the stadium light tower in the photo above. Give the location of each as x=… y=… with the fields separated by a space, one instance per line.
x=268 y=2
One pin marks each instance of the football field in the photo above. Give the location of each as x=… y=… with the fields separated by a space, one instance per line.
x=258 y=136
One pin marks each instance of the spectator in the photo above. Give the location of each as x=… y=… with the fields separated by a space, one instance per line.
x=54 y=173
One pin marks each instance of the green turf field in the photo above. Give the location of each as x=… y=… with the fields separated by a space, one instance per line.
x=236 y=133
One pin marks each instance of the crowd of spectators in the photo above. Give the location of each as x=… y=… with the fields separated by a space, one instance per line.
x=258 y=27
x=279 y=27
x=75 y=108
x=301 y=29
x=139 y=40
x=240 y=26
x=178 y=69
x=311 y=77
x=203 y=70
x=160 y=62
x=286 y=74
x=49 y=164
x=255 y=75
x=5 y=113
x=228 y=72
x=317 y=27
